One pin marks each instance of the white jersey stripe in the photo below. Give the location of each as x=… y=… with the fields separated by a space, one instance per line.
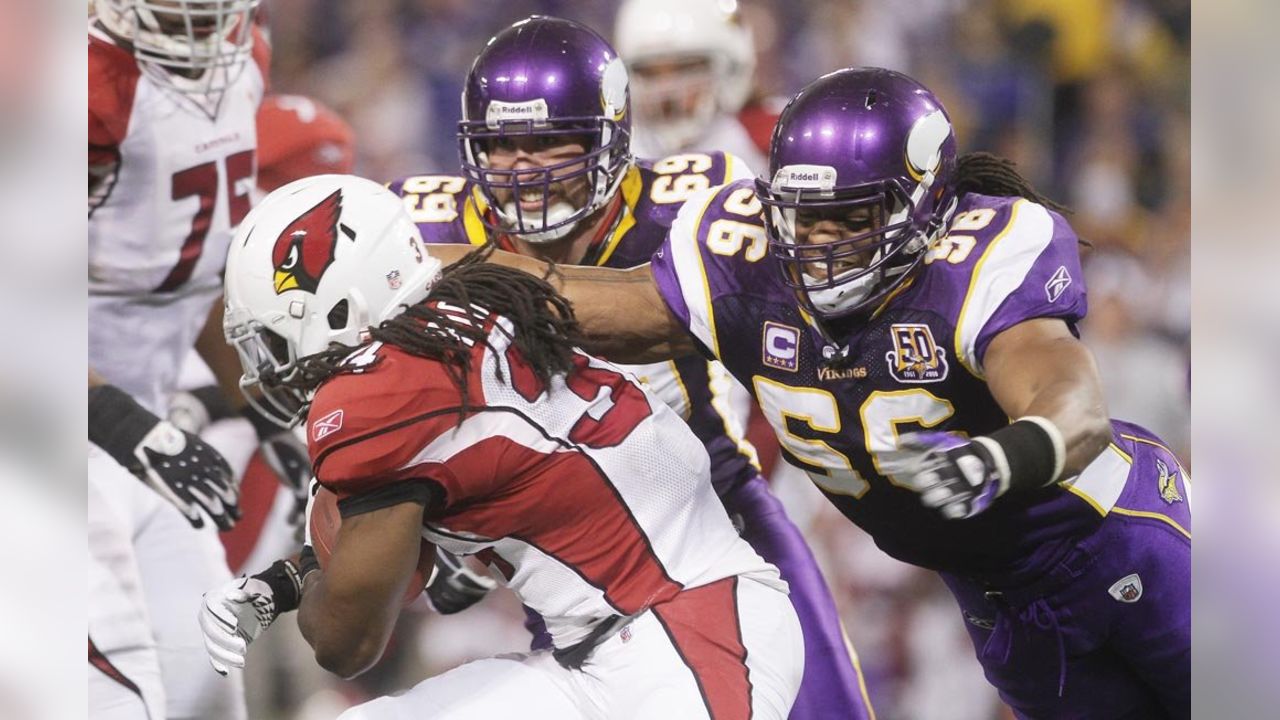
x=998 y=273
x=1103 y=480
x=687 y=259
x=496 y=422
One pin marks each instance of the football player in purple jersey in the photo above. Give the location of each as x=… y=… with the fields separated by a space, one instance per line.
x=547 y=172
x=906 y=319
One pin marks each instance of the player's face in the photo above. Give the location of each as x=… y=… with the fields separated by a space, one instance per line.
x=172 y=21
x=816 y=228
x=671 y=89
x=536 y=153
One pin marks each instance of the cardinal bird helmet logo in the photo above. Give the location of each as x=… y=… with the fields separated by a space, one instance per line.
x=305 y=248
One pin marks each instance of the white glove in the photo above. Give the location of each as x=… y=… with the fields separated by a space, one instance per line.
x=232 y=616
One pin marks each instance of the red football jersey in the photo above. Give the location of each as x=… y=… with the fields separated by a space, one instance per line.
x=586 y=495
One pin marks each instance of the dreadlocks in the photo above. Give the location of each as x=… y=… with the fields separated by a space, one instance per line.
x=981 y=172
x=544 y=329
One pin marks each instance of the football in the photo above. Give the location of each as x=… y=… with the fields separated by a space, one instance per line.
x=325 y=521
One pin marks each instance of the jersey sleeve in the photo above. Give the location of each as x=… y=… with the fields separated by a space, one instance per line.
x=442 y=207
x=394 y=435
x=1030 y=269
x=113 y=81
x=708 y=253
x=737 y=168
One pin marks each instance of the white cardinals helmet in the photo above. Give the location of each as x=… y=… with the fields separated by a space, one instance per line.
x=317 y=262
x=689 y=59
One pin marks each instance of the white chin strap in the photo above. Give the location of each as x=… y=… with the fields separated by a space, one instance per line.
x=558 y=211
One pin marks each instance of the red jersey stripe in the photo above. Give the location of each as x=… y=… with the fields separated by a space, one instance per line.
x=562 y=504
x=704 y=626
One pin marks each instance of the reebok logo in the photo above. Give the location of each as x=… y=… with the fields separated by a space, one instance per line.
x=327 y=425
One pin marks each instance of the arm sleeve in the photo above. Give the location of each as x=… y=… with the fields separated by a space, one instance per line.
x=396 y=435
x=737 y=168
x=1030 y=270
x=365 y=433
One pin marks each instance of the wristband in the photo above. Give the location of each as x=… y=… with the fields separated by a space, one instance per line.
x=215 y=402
x=307 y=562
x=117 y=423
x=1029 y=452
x=285 y=581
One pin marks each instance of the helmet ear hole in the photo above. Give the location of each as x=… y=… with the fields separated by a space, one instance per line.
x=339 y=315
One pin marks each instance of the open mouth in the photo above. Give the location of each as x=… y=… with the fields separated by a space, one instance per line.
x=533 y=199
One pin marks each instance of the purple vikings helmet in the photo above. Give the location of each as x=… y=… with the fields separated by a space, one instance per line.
x=852 y=139
x=546 y=77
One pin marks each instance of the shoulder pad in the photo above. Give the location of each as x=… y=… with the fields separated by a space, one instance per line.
x=715 y=248
x=365 y=427
x=113 y=81
x=443 y=206
x=1004 y=261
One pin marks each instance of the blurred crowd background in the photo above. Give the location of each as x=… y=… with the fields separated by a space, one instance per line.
x=1091 y=99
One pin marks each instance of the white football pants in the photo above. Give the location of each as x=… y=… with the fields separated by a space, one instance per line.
x=733 y=647
x=176 y=565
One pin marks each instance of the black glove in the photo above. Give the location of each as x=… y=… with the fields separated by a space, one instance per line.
x=455 y=587
x=178 y=465
x=287 y=457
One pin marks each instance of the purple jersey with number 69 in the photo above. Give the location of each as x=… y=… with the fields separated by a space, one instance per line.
x=915 y=364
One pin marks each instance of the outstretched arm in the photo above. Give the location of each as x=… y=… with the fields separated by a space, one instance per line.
x=1046 y=380
x=621 y=311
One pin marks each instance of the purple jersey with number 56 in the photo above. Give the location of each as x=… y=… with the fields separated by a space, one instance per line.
x=915 y=364
x=447 y=210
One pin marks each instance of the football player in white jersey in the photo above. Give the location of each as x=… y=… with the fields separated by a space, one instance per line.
x=484 y=431
x=691 y=64
x=173 y=90
x=297 y=137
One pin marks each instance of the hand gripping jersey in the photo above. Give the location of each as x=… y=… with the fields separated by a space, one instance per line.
x=447 y=210
x=916 y=363
x=171 y=183
x=587 y=496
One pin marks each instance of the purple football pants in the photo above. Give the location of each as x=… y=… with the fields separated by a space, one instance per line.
x=1107 y=632
x=832 y=687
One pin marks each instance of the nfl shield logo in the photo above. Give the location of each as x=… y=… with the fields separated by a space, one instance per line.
x=1127 y=589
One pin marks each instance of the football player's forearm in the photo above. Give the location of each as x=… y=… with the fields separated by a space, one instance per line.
x=1057 y=379
x=348 y=613
x=1080 y=414
x=622 y=315
x=342 y=646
